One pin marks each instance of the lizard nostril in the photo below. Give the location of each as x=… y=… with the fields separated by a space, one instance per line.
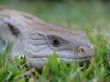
x=81 y=50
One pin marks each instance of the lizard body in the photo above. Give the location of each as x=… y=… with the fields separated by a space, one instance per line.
x=37 y=39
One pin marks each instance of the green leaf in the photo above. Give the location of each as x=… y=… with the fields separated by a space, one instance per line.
x=53 y=63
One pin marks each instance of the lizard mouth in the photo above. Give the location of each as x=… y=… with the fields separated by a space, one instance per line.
x=81 y=58
x=89 y=57
x=76 y=59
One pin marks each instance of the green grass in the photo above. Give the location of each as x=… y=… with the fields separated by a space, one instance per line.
x=93 y=18
x=98 y=70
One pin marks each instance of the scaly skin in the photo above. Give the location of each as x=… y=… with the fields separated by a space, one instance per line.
x=36 y=39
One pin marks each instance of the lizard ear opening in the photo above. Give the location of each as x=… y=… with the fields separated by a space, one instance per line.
x=3 y=44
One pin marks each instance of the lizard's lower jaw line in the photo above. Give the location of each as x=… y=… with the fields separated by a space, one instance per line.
x=39 y=61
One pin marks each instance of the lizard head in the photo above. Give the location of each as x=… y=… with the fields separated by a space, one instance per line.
x=37 y=39
x=69 y=45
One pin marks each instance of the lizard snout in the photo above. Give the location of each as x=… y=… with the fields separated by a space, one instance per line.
x=86 y=51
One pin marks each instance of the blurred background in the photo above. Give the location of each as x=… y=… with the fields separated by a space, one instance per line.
x=78 y=14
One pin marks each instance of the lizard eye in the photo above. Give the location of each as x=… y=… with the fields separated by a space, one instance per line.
x=55 y=42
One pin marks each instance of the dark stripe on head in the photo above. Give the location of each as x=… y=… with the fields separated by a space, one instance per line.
x=14 y=30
